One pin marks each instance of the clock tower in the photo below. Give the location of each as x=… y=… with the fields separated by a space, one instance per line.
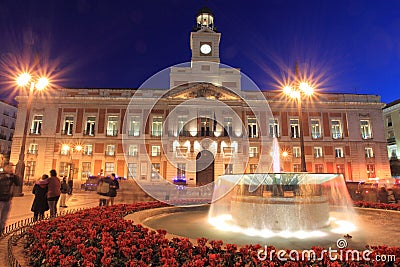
x=204 y=40
x=205 y=64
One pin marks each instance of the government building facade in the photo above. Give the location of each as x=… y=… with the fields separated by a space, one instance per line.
x=207 y=123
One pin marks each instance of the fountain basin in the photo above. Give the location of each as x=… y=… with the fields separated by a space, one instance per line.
x=280 y=213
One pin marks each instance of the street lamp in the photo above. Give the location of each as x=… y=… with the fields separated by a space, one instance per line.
x=40 y=83
x=297 y=93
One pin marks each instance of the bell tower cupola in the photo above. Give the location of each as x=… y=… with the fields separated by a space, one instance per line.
x=205 y=18
x=204 y=39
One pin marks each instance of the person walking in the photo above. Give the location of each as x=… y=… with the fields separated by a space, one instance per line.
x=103 y=189
x=40 y=205
x=114 y=186
x=53 y=193
x=7 y=181
x=64 y=191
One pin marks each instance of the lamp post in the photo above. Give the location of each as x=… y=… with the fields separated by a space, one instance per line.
x=297 y=92
x=23 y=80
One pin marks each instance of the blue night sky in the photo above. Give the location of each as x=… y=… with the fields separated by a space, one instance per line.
x=350 y=46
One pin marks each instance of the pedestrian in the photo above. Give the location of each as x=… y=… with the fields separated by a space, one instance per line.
x=70 y=186
x=103 y=189
x=391 y=197
x=64 y=191
x=383 y=195
x=7 y=182
x=53 y=192
x=114 y=186
x=40 y=205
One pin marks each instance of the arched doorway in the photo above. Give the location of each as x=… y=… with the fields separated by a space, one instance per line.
x=204 y=168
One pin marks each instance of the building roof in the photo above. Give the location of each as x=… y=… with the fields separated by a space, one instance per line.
x=392 y=104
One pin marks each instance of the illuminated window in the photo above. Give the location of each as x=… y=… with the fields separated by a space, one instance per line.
x=37 y=124
x=253 y=168
x=294 y=128
x=296 y=152
x=133 y=150
x=253 y=151
x=110 y=150
x=88 y=150
x=155 y=151
x=319 y=168
x=109 y=167
x=336 y=129
x=370 y=170
x=317 y=152
x=33 y=149
x=228 y=130
x=252 y=127
x=156 y=126
x=369 y=152
x=339 y=152
x=340 y=168
x=228 y=168
x=181 y=170
x=155 y=171
x=68 y=125
x=86 y=169
x=132 y=170
x=315 y=129
x=112 y=126
x=366 y=132
x=30 y=169
x=389 y=121
x=273 y=128
x=134 y=126
x=90 y=125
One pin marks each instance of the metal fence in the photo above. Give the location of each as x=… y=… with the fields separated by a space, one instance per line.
x=17 y=230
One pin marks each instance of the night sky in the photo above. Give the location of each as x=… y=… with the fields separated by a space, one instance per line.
x=350 y=46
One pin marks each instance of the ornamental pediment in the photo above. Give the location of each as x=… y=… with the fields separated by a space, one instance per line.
x=202 y=90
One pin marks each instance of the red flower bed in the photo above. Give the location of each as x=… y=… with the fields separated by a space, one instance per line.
x=375 y=205
x=101 y=237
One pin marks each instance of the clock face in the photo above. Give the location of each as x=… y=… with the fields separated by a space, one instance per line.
x=205 y=49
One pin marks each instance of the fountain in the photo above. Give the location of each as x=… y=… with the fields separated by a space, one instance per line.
x=281 y=203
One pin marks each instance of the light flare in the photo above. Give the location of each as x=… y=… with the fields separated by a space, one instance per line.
x=23 y=79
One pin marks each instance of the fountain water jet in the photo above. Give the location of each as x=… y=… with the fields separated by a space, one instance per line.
x=284 y=204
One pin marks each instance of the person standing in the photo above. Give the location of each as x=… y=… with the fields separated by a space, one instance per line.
x=70 y=186
x=103 y=189
x=114 y=186
x=7 y=181
x=64 y=191
x=53 y=193
x=40 y=205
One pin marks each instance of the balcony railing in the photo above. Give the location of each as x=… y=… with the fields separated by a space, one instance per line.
x=337 y=136
x=133 y=154
x=32 y=151
x=35 y=131
x=253 y=154
x=156 y=133
x=88 y=133
x=156 y=154
x=66 y=132
x=366 y=136
x=316 y=136
x=110 y=153
x=87 y=153
x=111 y=132
x=391 y=140
x=133 y=133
